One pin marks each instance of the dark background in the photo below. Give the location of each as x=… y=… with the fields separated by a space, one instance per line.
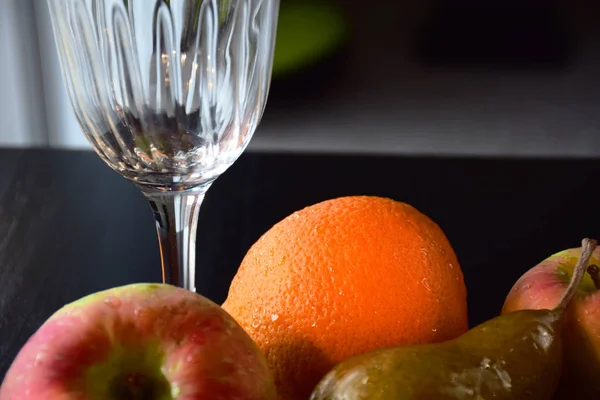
x=464 y=78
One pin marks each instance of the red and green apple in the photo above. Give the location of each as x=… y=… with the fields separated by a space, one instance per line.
x=541 y=288
x=139 y=342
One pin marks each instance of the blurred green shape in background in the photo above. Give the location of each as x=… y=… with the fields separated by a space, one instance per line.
x=308 y=32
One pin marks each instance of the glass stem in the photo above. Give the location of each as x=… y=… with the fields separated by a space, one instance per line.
x=176 y=216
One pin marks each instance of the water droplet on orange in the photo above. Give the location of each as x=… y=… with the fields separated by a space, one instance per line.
x=425 y=283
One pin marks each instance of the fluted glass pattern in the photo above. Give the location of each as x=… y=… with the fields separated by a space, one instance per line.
x=169 y=93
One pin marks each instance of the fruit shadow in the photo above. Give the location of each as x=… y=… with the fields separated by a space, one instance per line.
x=298 y=366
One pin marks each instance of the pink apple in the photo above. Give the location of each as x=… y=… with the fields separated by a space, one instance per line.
x=139 y=342
x=541 y=288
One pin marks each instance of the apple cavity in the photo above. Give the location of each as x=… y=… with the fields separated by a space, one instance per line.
x=139 y=342
x=541 y=288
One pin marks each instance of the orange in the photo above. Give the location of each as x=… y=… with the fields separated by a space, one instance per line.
x=343 y=277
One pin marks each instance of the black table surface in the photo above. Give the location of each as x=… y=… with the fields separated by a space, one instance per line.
x=70 y=226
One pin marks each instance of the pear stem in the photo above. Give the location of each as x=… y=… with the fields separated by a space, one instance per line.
x=588 y=246
x=594 y=272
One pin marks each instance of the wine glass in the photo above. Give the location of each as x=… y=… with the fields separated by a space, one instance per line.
x=169 y=93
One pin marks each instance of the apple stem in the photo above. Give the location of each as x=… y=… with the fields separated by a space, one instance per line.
x=588 y=246
x=594 y=272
